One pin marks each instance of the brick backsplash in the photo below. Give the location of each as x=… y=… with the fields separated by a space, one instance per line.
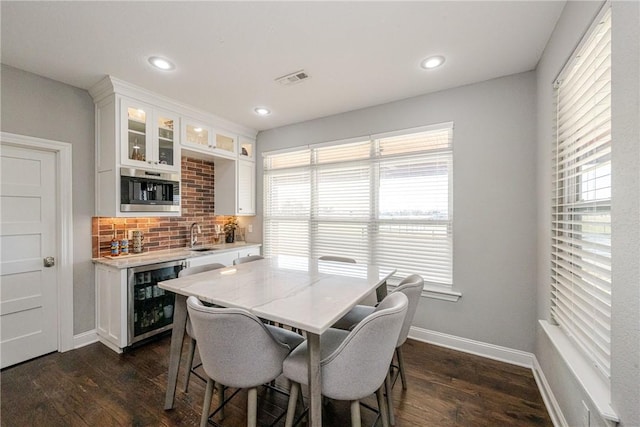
x=168 y=232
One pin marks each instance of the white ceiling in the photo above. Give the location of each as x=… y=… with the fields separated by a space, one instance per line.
x=227 y=54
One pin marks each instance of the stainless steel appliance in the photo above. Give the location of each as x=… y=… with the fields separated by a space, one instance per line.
x=150 y=309
x=149 y=191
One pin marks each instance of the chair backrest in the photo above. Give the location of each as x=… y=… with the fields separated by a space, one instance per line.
x=248 y=258
x=412 y=287
x=195 y=270
x=359 y=365
x=199 y=269
x=235 y=347
x=337 y=258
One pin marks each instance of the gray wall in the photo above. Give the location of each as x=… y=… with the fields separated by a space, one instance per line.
x=493 y=204
x=625 y=369
x=44 y=108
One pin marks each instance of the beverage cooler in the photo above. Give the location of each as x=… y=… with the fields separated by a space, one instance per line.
x=150 y=308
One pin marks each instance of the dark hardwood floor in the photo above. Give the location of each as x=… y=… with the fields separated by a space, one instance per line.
x=93 y=386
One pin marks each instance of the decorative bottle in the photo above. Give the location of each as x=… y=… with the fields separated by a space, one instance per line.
x=115 y=245
x=124 y=244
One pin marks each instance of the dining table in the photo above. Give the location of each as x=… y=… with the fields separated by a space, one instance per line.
x=301 y=292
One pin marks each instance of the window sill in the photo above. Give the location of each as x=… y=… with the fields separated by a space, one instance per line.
x=591 y=382
x=437 y=292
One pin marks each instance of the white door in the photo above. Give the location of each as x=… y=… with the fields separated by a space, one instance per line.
x=28 y=289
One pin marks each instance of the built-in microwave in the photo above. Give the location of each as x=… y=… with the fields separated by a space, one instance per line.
x=149 y=191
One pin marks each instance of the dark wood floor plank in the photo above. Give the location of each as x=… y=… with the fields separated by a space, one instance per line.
x=94 y=386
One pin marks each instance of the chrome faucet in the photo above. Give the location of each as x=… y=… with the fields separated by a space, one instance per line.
x=194 y=236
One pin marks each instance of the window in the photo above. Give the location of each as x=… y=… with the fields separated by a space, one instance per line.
x=382 y=200
x=581 y=206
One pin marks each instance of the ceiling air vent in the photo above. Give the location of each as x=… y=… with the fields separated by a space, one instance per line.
x=293 y=78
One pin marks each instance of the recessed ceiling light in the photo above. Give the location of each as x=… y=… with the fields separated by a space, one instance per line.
x=262 y=111
x=161 y=63
x=197 y=130
x=432 y=62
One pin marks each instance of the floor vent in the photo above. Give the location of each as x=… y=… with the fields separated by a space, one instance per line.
x=293 y=78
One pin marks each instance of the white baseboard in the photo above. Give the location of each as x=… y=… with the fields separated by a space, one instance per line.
x=550 y=402
x=490 y=351
x=85 y=338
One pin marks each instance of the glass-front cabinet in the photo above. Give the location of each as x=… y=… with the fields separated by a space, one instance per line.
x=226 y=143
x=247 y=148
x=149 y=137
x=196 y=134
x=205 y=139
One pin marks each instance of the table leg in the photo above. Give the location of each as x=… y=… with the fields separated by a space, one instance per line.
x=177 y=336
x=315 y=380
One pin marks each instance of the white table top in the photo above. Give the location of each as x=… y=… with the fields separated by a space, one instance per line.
x=301 y=292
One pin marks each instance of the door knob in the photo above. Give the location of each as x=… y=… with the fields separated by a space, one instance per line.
x=49 y=261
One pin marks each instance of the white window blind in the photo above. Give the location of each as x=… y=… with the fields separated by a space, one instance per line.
x=581 y=207
x=383 y=200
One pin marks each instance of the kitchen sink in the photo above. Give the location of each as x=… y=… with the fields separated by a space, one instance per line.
x=202 y=249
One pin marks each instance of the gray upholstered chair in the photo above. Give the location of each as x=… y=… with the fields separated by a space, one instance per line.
x=354 y=364
x=238 y=350
x=192 y=341
x=337 y=259
x=411 y=286
x=248 y=258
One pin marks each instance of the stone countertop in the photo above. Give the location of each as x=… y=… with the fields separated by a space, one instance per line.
x=154 y=257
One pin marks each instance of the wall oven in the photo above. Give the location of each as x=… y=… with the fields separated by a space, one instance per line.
x=150 y=308
x=147 y=191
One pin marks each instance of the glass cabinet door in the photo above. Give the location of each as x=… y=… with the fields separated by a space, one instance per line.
x=167 y=145
x=247 y=148
x=137 y=138
x=149 y=137
x=197 y=135
x=225 y=142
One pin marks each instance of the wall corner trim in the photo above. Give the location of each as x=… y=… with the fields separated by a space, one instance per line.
x=552 y=405
x=84 y=338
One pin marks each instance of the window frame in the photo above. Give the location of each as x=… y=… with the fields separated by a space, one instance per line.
x=570 y=200
x=436 y=289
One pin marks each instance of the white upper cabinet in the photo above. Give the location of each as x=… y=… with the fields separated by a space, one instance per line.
x=246 y=188
x=149 y=139
x=201 y=138
x=247 y=148
x=226 y=143
x=196 y=135
x=142 y=130
x=235 y=182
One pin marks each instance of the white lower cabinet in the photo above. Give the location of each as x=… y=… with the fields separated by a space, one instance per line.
x=113 y=293
x=225 y=258
x=111 y=306
x=255 y=250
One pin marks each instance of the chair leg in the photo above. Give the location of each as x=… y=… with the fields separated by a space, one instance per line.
x=401 y=367
x=382 y=406
x=206 y=405
x=355 y=414
x=220 y=388
x=252 y=407
x=294 y=392
x=388 y=389
x=192 y=351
